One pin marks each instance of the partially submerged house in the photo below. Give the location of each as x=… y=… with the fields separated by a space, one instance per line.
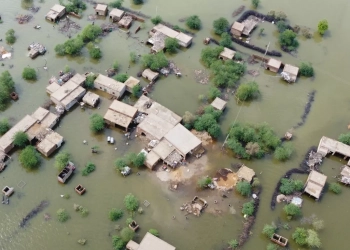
x=245 y=173
x=36 y=49
x=109 y=85
x=150 y=75
x=66 y=172
x=345 y=175
x=125 y=22
x=290 y=73
x=218 y=104
x=50 y=143
x=315 y=184
x=151 y=159
x=55 y=13
x=44 y=120
x=120 y=114
x=154 y=127
x=183 y=39
x=91 y=99
x=116 y=14
x=158 y=42
x=130 y=83
x=249 y=25
x=101 y=9
x=328 y=145
x=52 y=88
x=150 y=242
x=227 y=54
x=237 y=29
x=273 y=65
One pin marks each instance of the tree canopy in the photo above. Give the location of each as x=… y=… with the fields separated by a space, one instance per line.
x=156 y=20
x=208 y=121
x=255 y=3
x=4 y=126
x=306 y=70
x=335 y=188
x=247 y=91
x=20 y=139
x=116 y=4
x=226 y=40
x=248 y=208
x=288 y=186
x=131 y=202
x=220 y=25
x=90 y=32
x=72 y=47
x=244 y=188
x=288 y=41
x=115 y=214
x=155 y=61
x=209 y=55
x=292 y=210
x=96 y=123
x=7 y=85
x=322 y=26
x=344 y=138
x=29 y=73
x=194 y=22
x=171 y=45
x=284 y=152
x=138 y=2
x=95 y=52
x=122 y=77
x=127 y=234
x=61 y=160
x=269 y=230
x=10 y=36
x=29 y=158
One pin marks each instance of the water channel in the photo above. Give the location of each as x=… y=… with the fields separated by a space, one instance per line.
x=280 y=105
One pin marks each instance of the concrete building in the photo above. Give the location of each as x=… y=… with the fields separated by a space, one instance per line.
x=237 y=29
x=245 y=173
x=52 y=88
x=101 y=9
x=130 y=83
x=55 y=13
x=291 y=71
x=154 y=127
x=150 y=75
x=110 y=86
x=227 y=54
x=315 y=184
x=44 y=120
x=328 y=145
x=150 y=242
x=125 y=22
x=50 y=143
x=151 y=159
x=273 y=65
x=183 y=39
x=120 y=114
x=158 y=42
x=116 y=14
x=91 y=99
x=218 y=104
x=78 y=79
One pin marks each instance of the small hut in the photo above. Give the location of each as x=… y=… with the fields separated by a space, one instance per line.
x=227 y=54
x=116 y=14
x=219 y=104
x=237 y=29
x=101 y=9
x=273 y=65
x=131 y=82
x=150 y=75
x=91 y=99
x=290 y=73
x=245 y=173
x=125 y=22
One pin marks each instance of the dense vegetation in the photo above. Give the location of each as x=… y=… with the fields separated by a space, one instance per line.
x=244 y=188
x=289 y=186
x=248 y=208
x=156 y=20
x=115 y=214
x=61 y=160
x=89 y=168
x=284 y=152
x=220 y=25
x=62 y=215
x=269 y=230
x=154 y=61
x=131 y=203
x=304 y=237
x=255 y=3
x=89 y=82
x=29 y=73
x=116 y=4
x=292 y=210
x=136 y=160
x=171 y=45
x=204 y=182
x=335 y=188
x=247 y=91
x=4 y=126
x=288 y=41
x=20 y=139
x=226 y=40
x=322 y=27
x=10 y=36
x=207 y=121
x=29 y=158
x=76 y=6
x=136 y=91
x=194 y=22
x=344 y=138
x=95 y=52
x=306 y=70
x=97 y=123
x=7 y=85
x=122 y=77
x=281 y=26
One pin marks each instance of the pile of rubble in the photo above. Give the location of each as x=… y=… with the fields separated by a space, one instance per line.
x=108 y=27
x=21 y=19
x=67 y=25
x=171 y=69
x=314 y=159
x=139 y=118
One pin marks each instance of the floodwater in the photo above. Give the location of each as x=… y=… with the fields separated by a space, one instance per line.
x=280 y=105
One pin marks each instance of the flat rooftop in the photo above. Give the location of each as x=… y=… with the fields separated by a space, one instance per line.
x=218 y=103
x=315 y=183
x=118 y=118
x=328 y=145
x=64 y=90
x=155 y=126
x=228 y=53
x=109 y=83
x=116 y=12
x=274 y=63
x=163 y=149
x=151 y=242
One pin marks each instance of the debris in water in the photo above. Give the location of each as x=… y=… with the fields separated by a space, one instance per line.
x=21 y=19
x=43 y=204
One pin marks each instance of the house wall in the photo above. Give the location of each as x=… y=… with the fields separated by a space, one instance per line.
x=55 y=101
x=236 y=32
x=273 y=69
x=139 y=131
x=108 y=90
x=101 y=13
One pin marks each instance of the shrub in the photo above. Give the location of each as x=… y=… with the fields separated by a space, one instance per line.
x=20 y=139
x=90 y=32
x=10 y=36
x=89 y=168
x=131 y=203
x=298 y=185
x=138 y=2
x=154 y=232
x=4 y=126
x=115 y=214
x=155 y=61
x=281 y=26
x=6 y=87
x=171 y=45
x=127 y=234
x=193 y=22
x=248 y=208
x=226 y=40
x=284 y=152
x=238 y=56
x=312 y=239
x=89 y=82
x=344 y=138
x=322 y=26
x=136 y=91
x=287 y=186
x=61 y=160
x=29 y=73
x=292 y=210
x=121 y=77
x=272 y=246
x=255 y=3
x=84 y=212
x=220 y=25
x=95 y=53
x=136 y=159
x=306 y=70
x=29 y=157
x=118 y=243
x=120 y=164
x=288 y=41
x=96 y=123
x=156 y=20
x=247 y=91
x=210 y=55
x=188 y=119
x=226 y=73
x=318 y=224
x=233 y=243
x=62 y=215
x=128 y=221
x=133 y=57
x=269 y=230
x=256 y=182
x=335 y=188
x=204 y=182
x=115 y=65
x=72 y=46
x=244 y=188
x=116 y=4
x=299 y=236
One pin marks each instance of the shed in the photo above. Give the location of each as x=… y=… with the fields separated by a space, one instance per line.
x=101 y=9
x=120 y=113
x=227 y=54
x=130 y=83
x=151 y=159
x=218 y=104
x=237 y=29
x=125 y=22
x=56 y=12
x=52 y=88
x=246 y=173
x=150 y=75
x=91 y=99
x=183 y=140
x=315 y=183
x=50 y=143
x=154 y=127
x=116 y=14
x=273 y=65
x=292 y=71
x=109 y=85
x=132 y=245
x=151 y=242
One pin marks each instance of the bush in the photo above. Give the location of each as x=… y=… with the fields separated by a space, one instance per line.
x=292 y=210
x=72 y=46
x=29 y=158
x=226 y=73
x=213 y=93
x=299 y=236
x=136 y=159
x=116 y=4
x=272 y=246
x=288 y=41
x=136 y=91
x=269 y=230
x=281 y=26
x=29 y=73
x=288 y=186
x=210 y=55
x=89 y=168
x=121 y=77
x=248 y=208
x=120 y=164
x=306 y=70
x=62 y=215
x=193 y=22
x=171 y=45
x=6 y=87
x=344 y=138
x=247 y=91
x=90 y=32
x=312 y=239
x=188 y=119
x=131 y=203
x=226 y=40
x=115 y=214
x=128 y=221
x=298 y=185
x=233 y=243
x=156 y=20
x=256 y=182
x=84 y=212
x=255 y=3
x=118 y=243
x=115 y=65
x=284 y=152
x=220 y=25
x=89 y=82
x=138 y=2
x=95 y=53
x=335 y=188
x=20 y=139
x=154 y=232
x=127 y=234
x=204 y=182
x=96 y=123
x=244 y=188
x=4 y=126
x=133 y=57
x=322 y=26
x=10 y=36
x=155 y=61
x=61 y=160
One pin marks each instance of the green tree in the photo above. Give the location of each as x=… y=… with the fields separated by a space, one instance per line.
x=127 y=234
x=61 y=160
x=204 y=182
x=121 y=77
x=292 y=210
x=120 y=164
x=233 y=243
x=29 y=73
x=89 y=82
x=284 y=152
x=131 y=203
x=89 y=168
x=210 y=55
x=226 y=40
x=4 y=126
x=247 y=91
x=188 y=119
x=193 y=22
x=136 y=91
x=281 y=26
x=155 y=61
x=95 y=53
x=116 y=4
x=115 y=214
x=214 y=130
x=20 y=139
x=269 y=230
x=248 y=208
x=171 y=45
x=322 y=26
x=244 y=188
x=220 y=25
x=213 y=93
x=312 y=239
x=344 y=138
x=133 y=57
x=298 y=185
x=62 y=215
x=156 y=20
x=204 y=122
x=154 y=232
x=139 y=160
x=29 y=158
x=96 y=123
x=335 y=188
x=272 y=246
x=306 y=70
x=287 y=186
x=90 y=32
x=6 y=87
x=118 y=243
x=115 y=65
x=255 y=3
x=287 y=40
x=300 y=236
x=10 y=36
x=66 y=69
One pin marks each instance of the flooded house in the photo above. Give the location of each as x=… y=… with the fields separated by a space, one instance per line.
x=237 y=29
x=55 y=13
x=66 y=172
x=116 y=14
x=150 y=242
x=44 y=120
x=120 y=114
x=249 y=25
x=345 y=175
x=125 y=22
x=273 y=65
x=157 y=41
x=50 y=143
x=150 y=75
x=328 y=145
x=153 y=127
x=91 y=99
x=183 y=39
x=219 y=104
x=290 y=73
x=110 y=86
x=130 y=83
x=315 y=184
x=36 y=49
x=245 y=173
x=227 y=54
x=151 y=160
x=101 y=9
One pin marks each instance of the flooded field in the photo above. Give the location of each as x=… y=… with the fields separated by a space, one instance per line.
x=281 y=105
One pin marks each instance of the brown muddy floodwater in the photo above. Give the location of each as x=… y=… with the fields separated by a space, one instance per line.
x=280 y=105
